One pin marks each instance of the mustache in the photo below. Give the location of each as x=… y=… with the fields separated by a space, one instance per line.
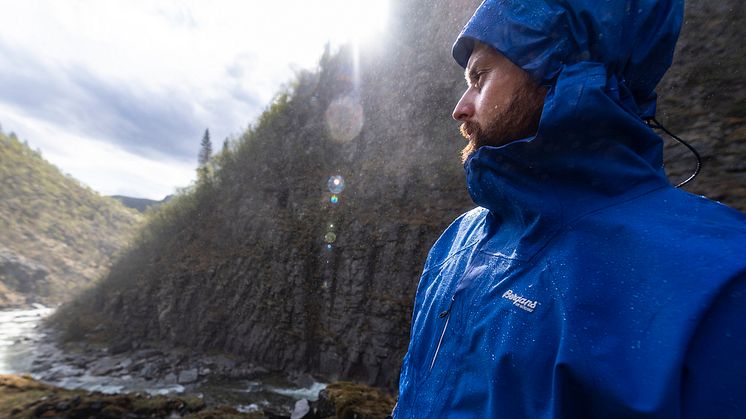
x=469 y=129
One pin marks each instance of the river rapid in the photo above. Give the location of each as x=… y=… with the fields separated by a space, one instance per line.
x=27 y=347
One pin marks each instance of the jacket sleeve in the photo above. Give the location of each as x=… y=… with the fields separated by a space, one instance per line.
x=714 y=376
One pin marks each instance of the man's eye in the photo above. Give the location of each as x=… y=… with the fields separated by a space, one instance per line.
x=477 y=79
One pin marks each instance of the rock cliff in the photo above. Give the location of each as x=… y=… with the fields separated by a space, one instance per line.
x=263 y=261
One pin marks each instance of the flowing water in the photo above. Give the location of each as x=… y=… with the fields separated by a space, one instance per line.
x=27 y=348
x=18 y=337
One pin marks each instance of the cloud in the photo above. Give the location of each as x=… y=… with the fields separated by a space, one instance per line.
x=100 y=165
x=178 y=15
x=156 y=123
x=98 y=85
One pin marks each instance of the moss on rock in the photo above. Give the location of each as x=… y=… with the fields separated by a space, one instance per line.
x=358 y=401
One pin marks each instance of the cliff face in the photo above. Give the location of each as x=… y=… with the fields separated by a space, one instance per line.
x=259 y=261
x=56 y=236
x=703 y=98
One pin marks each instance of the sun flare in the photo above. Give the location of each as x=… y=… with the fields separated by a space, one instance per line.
x=357 y=21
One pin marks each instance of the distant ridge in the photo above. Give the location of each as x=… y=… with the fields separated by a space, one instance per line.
x=140 y=204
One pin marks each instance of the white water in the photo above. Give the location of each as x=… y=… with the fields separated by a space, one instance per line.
x=21 y=340
x=310 y=393
x=19 y=333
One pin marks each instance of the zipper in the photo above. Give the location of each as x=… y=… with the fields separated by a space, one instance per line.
x=447 y=315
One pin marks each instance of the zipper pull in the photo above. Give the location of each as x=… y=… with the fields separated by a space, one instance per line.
x=442 y=315
x=445 y=312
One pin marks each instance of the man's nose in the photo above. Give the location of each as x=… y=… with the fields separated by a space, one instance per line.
x=464 y=108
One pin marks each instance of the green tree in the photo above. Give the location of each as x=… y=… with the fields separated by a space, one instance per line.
x=205 y=154
x=205 y=150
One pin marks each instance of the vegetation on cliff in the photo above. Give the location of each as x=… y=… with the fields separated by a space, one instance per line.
x=56 y=235
x=242 y=262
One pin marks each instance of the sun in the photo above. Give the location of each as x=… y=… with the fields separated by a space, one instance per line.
x=357 y=21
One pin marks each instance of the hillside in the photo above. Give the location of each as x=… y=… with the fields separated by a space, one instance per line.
x=261 y=261
x=56 y=235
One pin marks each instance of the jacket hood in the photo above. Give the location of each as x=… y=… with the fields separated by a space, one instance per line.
x=588 y=154
x=633 y=39
x=601 y=61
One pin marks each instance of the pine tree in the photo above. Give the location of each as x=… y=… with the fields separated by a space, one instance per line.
x=205 y=151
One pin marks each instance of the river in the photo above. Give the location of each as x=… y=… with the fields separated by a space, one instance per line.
x=19 y=335
x=28 y=348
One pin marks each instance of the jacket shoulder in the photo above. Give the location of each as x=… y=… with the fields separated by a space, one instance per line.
x=675 y=223
x=668 y=245
x=463 y=233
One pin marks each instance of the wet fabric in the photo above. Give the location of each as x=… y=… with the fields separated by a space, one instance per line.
x=583 y=284
x=633 y=39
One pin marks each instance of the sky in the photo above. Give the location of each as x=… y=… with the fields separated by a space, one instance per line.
x=118 y=94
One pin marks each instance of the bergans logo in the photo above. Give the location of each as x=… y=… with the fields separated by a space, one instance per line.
x=520 y=302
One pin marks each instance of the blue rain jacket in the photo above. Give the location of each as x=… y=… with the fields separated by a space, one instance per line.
x=584 y=284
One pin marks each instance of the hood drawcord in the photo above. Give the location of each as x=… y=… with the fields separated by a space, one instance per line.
x=654 y=124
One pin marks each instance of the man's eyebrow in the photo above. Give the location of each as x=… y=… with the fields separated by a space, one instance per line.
x=471 y=72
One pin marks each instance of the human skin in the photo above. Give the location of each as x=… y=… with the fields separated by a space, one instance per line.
x=501 y=102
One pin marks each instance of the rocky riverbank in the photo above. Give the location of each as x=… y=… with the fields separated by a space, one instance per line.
x=24 y=397
x=216 y=379
x=139 y=379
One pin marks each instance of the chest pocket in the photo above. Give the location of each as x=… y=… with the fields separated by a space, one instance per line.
x=508 y=335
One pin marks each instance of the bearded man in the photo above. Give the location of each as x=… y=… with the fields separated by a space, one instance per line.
x=583 y=284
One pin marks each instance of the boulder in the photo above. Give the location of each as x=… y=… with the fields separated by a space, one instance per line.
x=120 y=347
x=105 y=366
x=188 y=376
x=301 y=409
x=351 y=400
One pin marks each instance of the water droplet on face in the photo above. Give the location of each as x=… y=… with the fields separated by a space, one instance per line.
x=330 y=237
x=336 y=184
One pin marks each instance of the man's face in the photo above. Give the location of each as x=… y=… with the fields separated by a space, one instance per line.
x=501 y=103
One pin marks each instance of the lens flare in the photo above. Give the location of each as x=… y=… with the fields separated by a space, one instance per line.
x=334 y=199
x=344 y=118
x=336 y=184
x=330 y=237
